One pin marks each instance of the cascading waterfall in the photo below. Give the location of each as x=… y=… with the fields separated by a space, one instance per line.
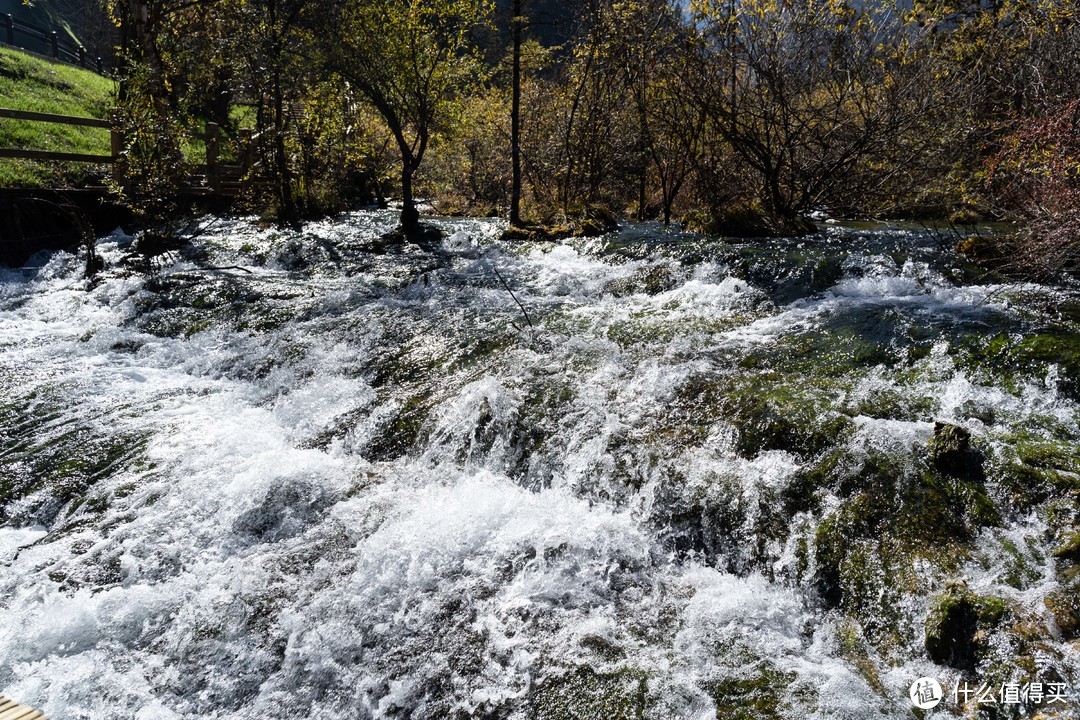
x=300 y=475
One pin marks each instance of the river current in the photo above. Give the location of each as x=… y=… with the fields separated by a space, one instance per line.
x=296 y=475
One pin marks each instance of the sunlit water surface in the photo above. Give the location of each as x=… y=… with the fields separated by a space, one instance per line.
x=292 y=477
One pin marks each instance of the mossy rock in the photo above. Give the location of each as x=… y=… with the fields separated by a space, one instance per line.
x=586 y=694
x=1069 y=548
x=1031 y=470
x=756 y=693
x=1031 y=354
x=589 y=222
x=1063 y=607
x=952 y=454
x=746 y=220
x=39 y=452
x=981 y=250
x=403 y=432
x=771 y=412
x=423 y=235
x=905 y=511
x=651 y=280
x=960 y=625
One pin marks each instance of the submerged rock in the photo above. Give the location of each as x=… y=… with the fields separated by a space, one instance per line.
x=584 y=694
x=423 y=235
x=959 y=626
x=593 y=222
x=650 y=281
x=952 y=454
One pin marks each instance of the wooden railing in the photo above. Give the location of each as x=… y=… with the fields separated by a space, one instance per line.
x=214 y=177
x=54 y=45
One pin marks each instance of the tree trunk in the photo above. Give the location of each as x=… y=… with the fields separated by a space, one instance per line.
x=410 y=217
x=515 y=121
x=288 y=215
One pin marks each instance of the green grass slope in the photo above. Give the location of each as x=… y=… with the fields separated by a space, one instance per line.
x=31 y=83
x=43 y=13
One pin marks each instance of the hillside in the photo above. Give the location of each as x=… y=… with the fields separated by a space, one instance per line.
x=32 y=83
x=43 y=13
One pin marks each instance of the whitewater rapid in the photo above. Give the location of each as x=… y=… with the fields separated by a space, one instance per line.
x=345 y=485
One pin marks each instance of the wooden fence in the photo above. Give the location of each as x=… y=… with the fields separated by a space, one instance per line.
x=213 y=177
x=54 y=45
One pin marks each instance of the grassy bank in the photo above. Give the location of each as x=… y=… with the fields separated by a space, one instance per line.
x=28 y=82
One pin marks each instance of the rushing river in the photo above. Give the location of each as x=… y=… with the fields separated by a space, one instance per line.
x=649 y=475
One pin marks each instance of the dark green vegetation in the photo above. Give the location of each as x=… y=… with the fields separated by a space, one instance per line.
x=39 y=85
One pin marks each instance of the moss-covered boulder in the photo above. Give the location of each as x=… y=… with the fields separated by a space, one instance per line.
x=746 y=220
x=952 y=454
x=651 y=280
x=756 y=694
x=584 y=693
x=960 y=626
x=1063 y=608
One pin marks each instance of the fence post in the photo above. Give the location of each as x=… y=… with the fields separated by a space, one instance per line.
x=213 y=138
x=116 y=142
x=55 y=44
x=100 y=67
x=9 y=23
x=82 y=56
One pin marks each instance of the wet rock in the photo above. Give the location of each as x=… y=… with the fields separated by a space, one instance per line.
x=593 y=222
x=1069 y=549
x=585 y=694
x=746 y=221
x=952 y=454
x=650 y=281
x=286 y=510
x=959 y=626
x=758 y=694
x=426 y=236
x=1063 y=607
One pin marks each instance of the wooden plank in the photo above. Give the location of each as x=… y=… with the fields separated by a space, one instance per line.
x=60 y=156
x=10 y=710
x=50 y=118
x=21 y=713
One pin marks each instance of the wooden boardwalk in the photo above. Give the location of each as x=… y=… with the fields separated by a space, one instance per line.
x=9 y=710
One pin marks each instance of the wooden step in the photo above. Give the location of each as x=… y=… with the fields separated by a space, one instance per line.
x=10 y=710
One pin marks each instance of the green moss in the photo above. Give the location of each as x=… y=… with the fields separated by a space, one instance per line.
x=1068 y=549
x=853 y=647
x=770 y=412
x=894 y=512
x=756 y=693
x=1029 y=470
x=960 y=624
x=1063 y=607
x=583 y=693
x=651 y=280
x=1011 y=357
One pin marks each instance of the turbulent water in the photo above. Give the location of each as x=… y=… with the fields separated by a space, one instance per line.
x=648 y=475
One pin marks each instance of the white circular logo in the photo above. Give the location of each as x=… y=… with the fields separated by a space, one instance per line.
x=925 y=693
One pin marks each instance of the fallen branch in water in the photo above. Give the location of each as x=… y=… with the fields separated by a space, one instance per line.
x=227 y=267
x=522 y=307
